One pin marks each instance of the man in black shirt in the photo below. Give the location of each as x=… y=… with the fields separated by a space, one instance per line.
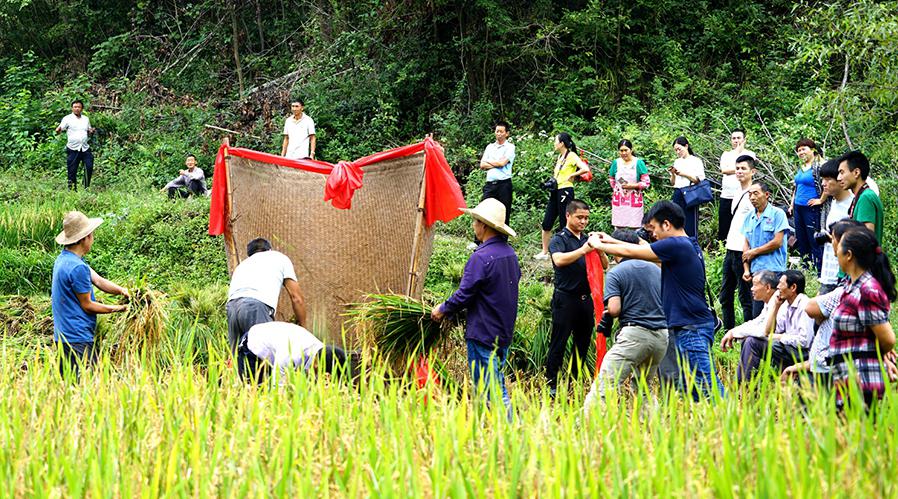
x=572 y=309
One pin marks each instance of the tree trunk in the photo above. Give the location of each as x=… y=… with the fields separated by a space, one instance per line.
x=234 y=37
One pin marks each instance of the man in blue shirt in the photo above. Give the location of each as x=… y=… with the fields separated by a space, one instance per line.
x=765 y=237
x=74 y=307
x=689 y=319
x=489 y=290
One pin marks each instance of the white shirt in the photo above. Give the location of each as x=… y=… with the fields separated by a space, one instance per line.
x=298 y=134
x=690 y=165
x=873 y=185
x=729 y=184
x=261 y=277
x=735 y=238
x=283 y=345
x=754 y=327
x=838 y=210
x=76 y=131
x=495 y=152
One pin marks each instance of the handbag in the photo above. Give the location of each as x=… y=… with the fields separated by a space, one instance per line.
x=697 y=194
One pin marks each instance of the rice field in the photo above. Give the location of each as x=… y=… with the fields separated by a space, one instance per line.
x=148 y=430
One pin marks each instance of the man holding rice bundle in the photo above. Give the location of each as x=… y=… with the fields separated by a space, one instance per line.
x=489 y=290
x=72 y=294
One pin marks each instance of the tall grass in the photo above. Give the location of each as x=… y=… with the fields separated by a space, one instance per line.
x=151 y=431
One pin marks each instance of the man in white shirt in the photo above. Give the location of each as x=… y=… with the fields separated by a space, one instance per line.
x=790 y=331
x=732 y=261
x=299 y=133
x=729 y=184
x=190 y=181
x=255 y=289
x=77 y=128
x=763 y=286
x=836 y=208
x=283 y=346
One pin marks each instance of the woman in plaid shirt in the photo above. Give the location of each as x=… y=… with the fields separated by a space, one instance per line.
x=861 y=330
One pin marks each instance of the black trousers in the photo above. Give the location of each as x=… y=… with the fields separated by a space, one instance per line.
x=754 y=349
x=501 y=190
x=195 y=187
x=571 y=314
x=732 y=282
x=72 y=160
x=724 y=218
x=557 y=208
x=75 y=356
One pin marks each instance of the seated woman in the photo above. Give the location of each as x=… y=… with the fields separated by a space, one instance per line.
x=862 y=335
x=283 y=345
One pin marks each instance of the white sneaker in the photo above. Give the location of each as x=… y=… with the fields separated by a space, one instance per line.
x=472 y=246
x=541 y=256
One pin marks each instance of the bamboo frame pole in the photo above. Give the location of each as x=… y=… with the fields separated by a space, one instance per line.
x=414 y=273
x=233 y=257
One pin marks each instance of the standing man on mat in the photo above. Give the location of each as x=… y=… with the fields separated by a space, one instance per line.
x=299 y=133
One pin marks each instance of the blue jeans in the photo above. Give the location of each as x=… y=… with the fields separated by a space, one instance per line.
x=486 y=367
x=694 y=350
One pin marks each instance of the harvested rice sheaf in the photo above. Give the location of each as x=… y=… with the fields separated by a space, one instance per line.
x=139 y=329
x=397 y=326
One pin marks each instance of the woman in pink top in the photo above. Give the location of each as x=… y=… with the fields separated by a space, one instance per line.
x=628 y=176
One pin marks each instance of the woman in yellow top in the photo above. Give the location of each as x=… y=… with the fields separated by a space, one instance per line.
x=568 y=167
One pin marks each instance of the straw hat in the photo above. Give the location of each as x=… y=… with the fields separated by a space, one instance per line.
x=75 y=227
x=491 y=211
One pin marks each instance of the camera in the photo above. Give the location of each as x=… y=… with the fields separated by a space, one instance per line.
x=550 y=184
x=645 y=235
x=605 y=325
x=822 y=237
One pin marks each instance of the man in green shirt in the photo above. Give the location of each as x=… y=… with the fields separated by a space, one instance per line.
x=854 y=168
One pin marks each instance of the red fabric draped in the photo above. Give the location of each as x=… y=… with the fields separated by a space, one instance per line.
x=595 y=274
x=442 y=198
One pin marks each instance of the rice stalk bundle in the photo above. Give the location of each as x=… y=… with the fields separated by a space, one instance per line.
x=397 y=326
x=140 y=328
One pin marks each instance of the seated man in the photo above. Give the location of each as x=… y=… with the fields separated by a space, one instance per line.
x=284 y=345
x=763 y=286
x=190 y=181
x=788 y=327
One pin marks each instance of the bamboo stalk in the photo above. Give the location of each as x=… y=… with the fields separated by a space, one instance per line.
x=413 y=274
x=233 y=257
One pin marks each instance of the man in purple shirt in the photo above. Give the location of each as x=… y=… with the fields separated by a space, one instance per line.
x=489 y=290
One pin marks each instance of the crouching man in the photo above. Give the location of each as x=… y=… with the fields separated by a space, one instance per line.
x=633 y=295
x=788 y=329
x=282 y=346
x=189 y=181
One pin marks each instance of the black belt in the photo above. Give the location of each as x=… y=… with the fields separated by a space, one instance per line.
x=581 y=296
x=643 y=326
x=498 y=181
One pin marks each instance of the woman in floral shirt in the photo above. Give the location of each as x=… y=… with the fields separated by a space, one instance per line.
x=862 y=334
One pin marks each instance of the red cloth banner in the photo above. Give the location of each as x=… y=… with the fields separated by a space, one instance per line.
x=595 y=274
x=443 y=199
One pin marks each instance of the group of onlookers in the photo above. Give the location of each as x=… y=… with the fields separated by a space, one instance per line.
x=657 y=289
